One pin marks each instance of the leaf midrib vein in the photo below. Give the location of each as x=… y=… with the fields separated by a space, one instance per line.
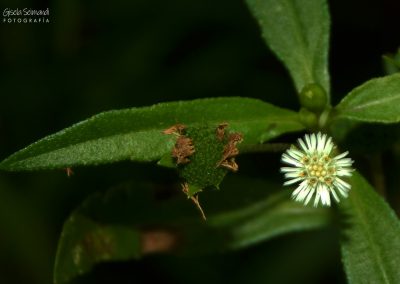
x=301 y=39
x=372 y=103
x=238 y=121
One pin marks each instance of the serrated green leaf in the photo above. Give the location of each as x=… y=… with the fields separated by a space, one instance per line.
x=136 y=133
x=298 y=32
x=377 y=100
x=371 y=239
x=243 y=214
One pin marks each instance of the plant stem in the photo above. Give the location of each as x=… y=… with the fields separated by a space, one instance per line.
x=377 y=173
x=269 y=147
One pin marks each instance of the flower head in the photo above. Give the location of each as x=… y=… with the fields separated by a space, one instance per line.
x=317 y=170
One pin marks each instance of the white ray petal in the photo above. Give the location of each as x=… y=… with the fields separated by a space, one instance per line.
x=287 y=159
x=308 y=141
x=292 y=175
x=302 y=194
x=334 y=194
x=344 y=172
x=317 y=197
x=344 y=161
x=328 y=146
x=292 y=181
x=310 y=194
x=302 y=145
x=343 y=183
x=313 y=142
x=295 y=153
x=325 y=197
x=300 y=188
x=344 y=154
x=290 y=169
x=343 y=192
x=321 y=139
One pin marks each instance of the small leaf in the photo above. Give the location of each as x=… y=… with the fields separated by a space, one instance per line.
x=136 y=133
x=298 y=32
x=127 y=223
x=374 y=101
x=391 y=62
x=371 y=244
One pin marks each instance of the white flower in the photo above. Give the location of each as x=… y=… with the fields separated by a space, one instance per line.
x=317 y=171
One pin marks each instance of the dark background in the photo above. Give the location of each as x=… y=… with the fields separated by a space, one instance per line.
x=96 y=56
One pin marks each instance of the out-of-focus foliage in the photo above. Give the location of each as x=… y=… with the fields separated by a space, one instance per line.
x=391 y=62
x=128 y=222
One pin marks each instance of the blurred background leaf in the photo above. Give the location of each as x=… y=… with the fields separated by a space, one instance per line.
x=128 y=222
x=24 y=238
x=391 y=62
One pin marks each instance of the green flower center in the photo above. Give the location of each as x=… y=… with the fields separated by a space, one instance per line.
x=318 y=169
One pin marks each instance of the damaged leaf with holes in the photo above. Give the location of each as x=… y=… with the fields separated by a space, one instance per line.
x=136 y=134
x=204 y=155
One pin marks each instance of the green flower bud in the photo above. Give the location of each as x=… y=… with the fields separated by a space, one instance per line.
x=313 y=97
